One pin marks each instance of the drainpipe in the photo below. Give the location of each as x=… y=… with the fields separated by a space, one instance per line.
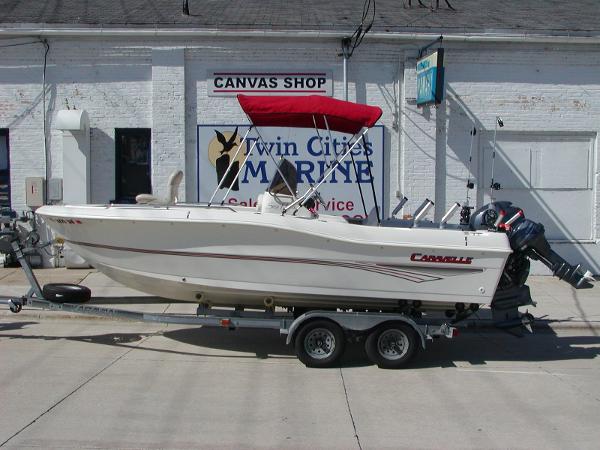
x=346 y=42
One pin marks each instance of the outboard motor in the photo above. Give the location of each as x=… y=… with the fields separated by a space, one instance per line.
x=528 y=241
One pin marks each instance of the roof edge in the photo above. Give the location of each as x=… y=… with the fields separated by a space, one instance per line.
x=44 y=30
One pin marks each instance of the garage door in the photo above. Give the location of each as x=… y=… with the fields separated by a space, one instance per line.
x=549 y=175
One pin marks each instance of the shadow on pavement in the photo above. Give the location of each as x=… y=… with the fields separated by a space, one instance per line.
x=475 y=347
x=11 y=326
x=479 y=348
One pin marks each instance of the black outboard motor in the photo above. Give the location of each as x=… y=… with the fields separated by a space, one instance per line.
x=527 y=240
x=528 y=236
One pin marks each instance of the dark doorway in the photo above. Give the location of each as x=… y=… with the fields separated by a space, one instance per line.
x=132 y=146
x=4 y=169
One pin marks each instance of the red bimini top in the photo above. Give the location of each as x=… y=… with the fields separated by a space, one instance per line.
x=298 y=112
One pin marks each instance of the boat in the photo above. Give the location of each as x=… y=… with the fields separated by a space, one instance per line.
x=284 y=253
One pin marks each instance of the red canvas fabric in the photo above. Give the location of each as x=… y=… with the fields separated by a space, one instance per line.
x=298 y=112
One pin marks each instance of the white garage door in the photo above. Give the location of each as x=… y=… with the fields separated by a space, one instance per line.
x=549 y=175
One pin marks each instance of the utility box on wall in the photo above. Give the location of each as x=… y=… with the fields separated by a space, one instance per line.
x=76 y=155
x=34 y=192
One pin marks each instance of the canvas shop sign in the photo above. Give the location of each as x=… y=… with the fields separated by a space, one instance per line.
x=217 y=145
x=230 y=83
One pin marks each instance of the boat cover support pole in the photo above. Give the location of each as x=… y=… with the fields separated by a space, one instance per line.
x=238 y=172
x=321 y=139
x=362 y=197
x=224 y=177
x=300 y=200
x=328 y=132
x=371 y=178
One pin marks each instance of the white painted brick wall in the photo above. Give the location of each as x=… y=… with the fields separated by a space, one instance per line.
x=372 y=76
x=533 y=88
x=168 y=118
x=162 y=85
x=419 y=143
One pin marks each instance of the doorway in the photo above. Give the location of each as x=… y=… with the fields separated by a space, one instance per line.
x=4 y=169
x=132 y=147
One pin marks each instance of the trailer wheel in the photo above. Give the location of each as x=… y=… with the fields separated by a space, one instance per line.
x=15 y=307
x=320 y=343
x=391 y=345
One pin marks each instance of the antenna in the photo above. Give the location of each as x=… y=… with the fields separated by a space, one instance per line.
x=470 y=184
x=465 y=212
x=495 y=186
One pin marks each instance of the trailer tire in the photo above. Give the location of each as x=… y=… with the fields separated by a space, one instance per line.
x=66 y=293
x=391 y=345
x=320 y=343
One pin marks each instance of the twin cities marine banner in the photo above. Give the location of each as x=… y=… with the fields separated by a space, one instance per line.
x=309 y=152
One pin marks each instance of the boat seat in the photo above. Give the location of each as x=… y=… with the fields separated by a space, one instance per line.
x=371 y=219
x=172 y=192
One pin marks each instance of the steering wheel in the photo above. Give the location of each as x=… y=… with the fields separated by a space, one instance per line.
x=318 y=197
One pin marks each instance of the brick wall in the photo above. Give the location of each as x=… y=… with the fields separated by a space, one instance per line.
x=162 y=85
x=535 y=89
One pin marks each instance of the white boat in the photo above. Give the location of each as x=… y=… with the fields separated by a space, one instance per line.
x=282 y=253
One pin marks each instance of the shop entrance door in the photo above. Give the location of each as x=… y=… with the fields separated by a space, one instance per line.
x=132 y=146
x=4 y=169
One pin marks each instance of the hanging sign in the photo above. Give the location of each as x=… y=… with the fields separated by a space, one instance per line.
x=230 y=83
x=430 y=78
x=217 y=145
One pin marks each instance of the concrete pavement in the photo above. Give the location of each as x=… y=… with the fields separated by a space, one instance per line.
x=68 y=383
x=96 y=384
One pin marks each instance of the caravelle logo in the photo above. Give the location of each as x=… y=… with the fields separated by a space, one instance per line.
x=420 y=257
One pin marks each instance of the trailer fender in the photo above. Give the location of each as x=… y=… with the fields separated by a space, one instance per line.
x=358 y=321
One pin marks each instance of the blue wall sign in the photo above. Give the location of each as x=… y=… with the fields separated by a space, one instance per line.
x=304 y=148
x=430 y=78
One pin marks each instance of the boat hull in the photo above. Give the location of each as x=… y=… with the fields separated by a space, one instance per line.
x=238 y=257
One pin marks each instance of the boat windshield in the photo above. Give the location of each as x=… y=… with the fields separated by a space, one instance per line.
x=285 y=180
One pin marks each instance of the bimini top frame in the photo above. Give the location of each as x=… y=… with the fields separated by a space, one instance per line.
x=316 y=111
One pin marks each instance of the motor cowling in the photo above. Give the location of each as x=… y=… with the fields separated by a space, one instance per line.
x=527 y=239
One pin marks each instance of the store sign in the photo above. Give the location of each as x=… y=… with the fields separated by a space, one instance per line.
x=229 y=83
x=430 y=79
x=217 y=145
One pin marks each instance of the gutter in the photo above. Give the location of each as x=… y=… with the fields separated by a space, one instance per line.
x=43 y=31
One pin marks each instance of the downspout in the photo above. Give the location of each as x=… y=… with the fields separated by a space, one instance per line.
x=346 y=42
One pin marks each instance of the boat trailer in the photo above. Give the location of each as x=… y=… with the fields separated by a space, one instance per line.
x=319 y=337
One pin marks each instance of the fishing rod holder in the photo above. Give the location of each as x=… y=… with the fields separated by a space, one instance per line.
x=422 y=211
x=399 y=206
x=449 y=214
